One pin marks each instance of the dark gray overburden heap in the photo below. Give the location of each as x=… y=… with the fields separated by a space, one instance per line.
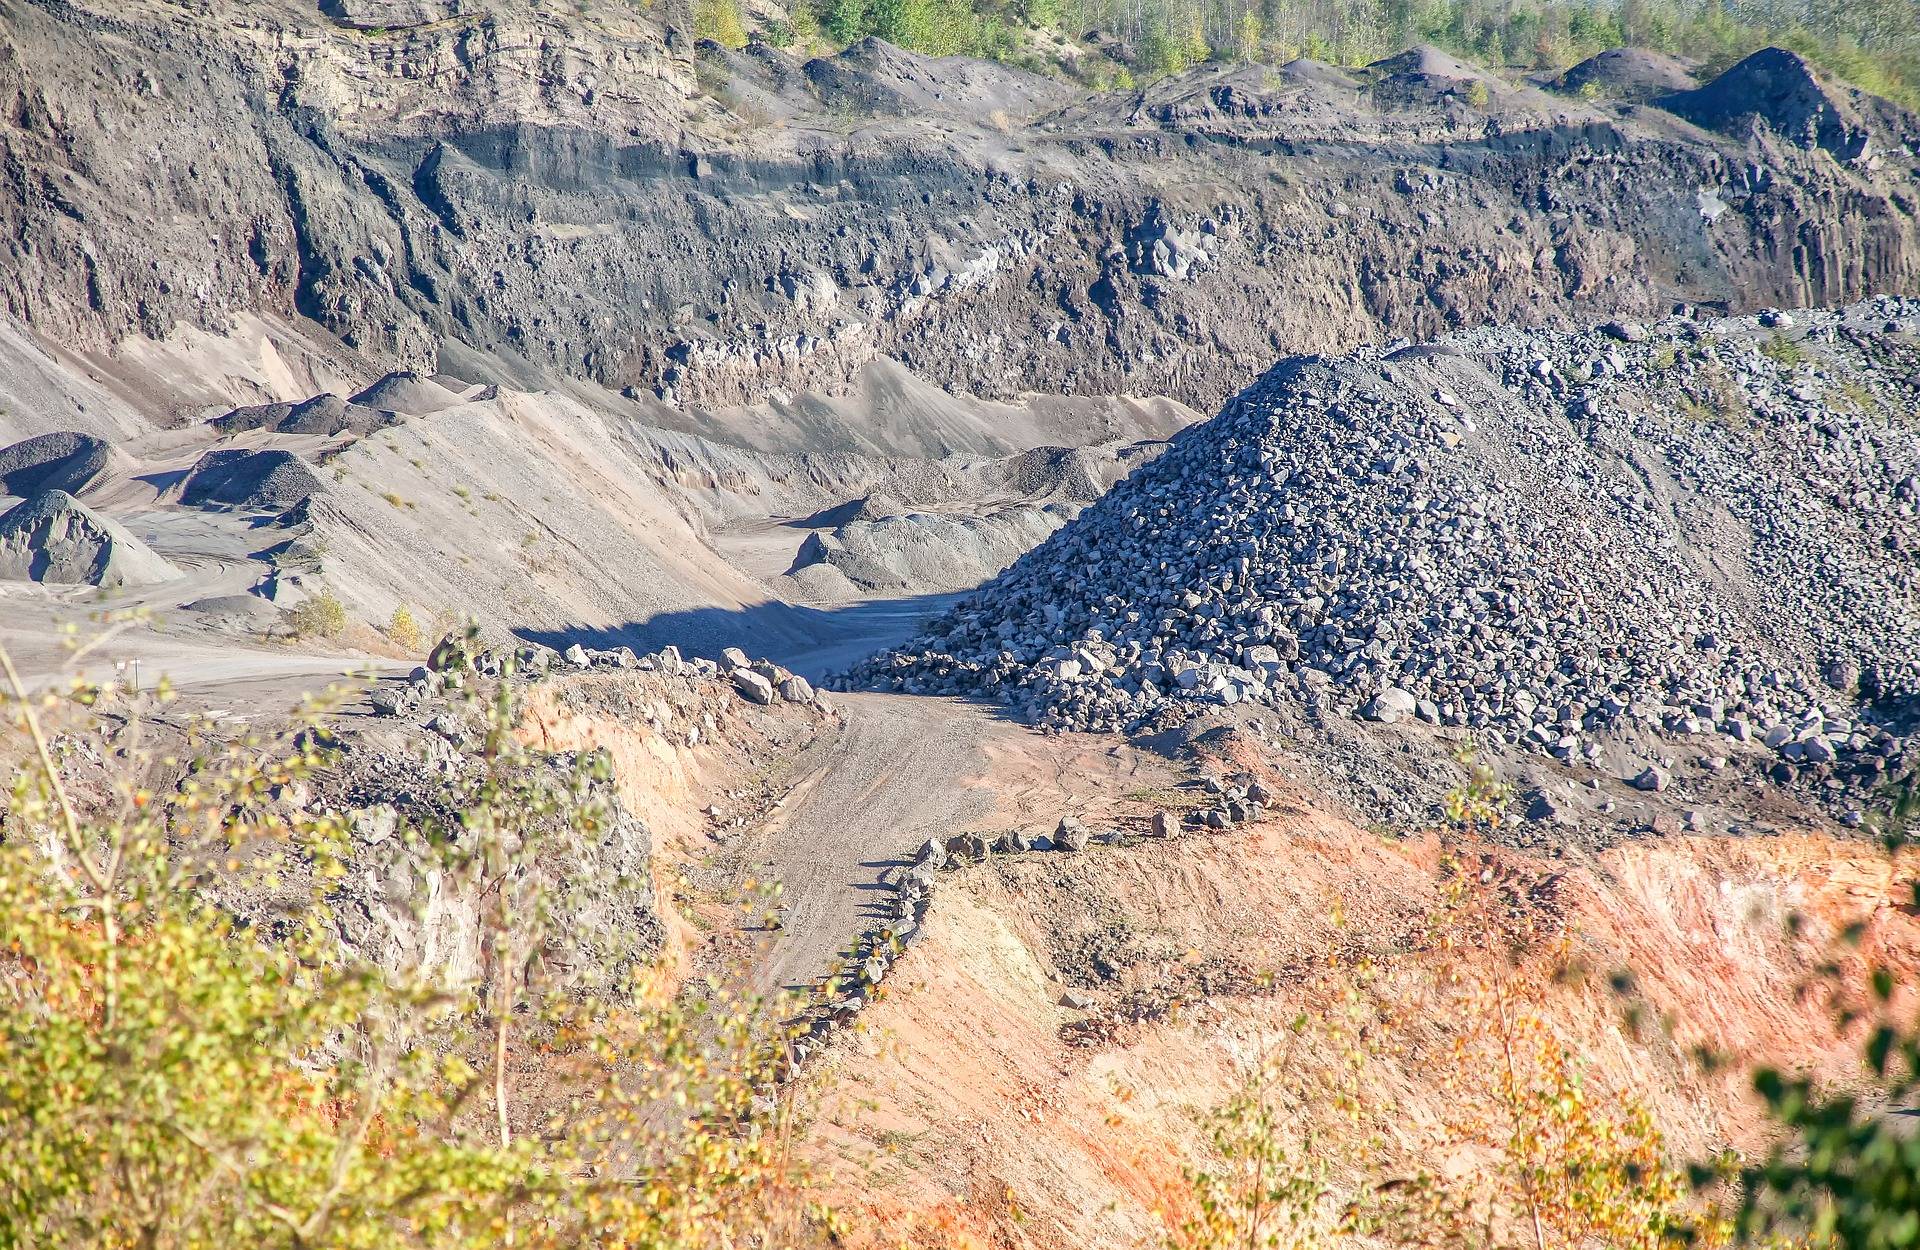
x=1711 y=528
x=512 y=195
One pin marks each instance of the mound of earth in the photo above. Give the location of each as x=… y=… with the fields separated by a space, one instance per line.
x=249 y=479
x=53 y=537
x=1425 y=61
x=323 y=414
x=1547 y=537
x=898 y=551
x=876 y=76
x=1779 y=88
x=63 y=460
x=234 y=613
x=408 y=394
x=1424 y=75
x=1628 y=74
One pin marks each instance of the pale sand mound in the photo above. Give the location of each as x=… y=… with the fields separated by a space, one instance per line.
x=53 y=537
x=408 y=394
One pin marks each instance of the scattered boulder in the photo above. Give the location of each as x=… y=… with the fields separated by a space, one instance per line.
x=752 y=686
x=53 y=537
x=1390 y=706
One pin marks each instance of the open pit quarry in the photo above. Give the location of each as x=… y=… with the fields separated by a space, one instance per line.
x=1077 y=544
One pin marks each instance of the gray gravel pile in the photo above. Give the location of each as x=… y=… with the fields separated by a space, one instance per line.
x=240 y=478
x=326 y=414
x=63 y=460
x=55 y=538
x=1549 y=537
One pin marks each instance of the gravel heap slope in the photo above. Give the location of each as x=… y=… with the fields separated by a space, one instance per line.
x=1709 y=527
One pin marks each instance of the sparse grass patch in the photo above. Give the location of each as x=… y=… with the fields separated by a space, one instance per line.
x=1859 y=396
x=1166 y=798
x=1783 y=351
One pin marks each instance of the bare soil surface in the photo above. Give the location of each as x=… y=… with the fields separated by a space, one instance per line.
x=901 y=771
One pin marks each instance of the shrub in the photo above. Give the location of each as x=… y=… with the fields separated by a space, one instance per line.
x=720 y=21
x=403 y=630
x=171 y=1076
x=1783 y=351
x=320 y=615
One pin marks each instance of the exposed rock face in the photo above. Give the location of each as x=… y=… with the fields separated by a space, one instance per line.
x=63 y=460
x=53 y=537
x=382 y=15
x=1546 y=537
x=508 y=196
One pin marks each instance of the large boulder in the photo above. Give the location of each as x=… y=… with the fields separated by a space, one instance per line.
x=63 y=460
x=250 y=479
x=53 y=537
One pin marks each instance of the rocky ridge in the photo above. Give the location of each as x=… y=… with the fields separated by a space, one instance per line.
x=1708 y=528
x=511 y=196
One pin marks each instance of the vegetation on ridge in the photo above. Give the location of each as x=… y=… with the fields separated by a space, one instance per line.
x=178 y=1073
x=1873 y=44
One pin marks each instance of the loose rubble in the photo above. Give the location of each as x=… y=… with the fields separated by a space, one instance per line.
x=840 y=996
x=1550 y=538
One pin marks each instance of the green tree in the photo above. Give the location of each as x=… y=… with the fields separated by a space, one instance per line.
x=846 y=21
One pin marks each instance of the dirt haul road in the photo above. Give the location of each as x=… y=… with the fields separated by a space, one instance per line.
x=901 y=770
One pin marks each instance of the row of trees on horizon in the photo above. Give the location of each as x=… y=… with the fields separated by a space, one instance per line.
x=1874 y=44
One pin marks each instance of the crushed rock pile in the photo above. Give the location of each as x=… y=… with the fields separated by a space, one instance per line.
x=64 y=460
x=239 y=478
x=1548 y=537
